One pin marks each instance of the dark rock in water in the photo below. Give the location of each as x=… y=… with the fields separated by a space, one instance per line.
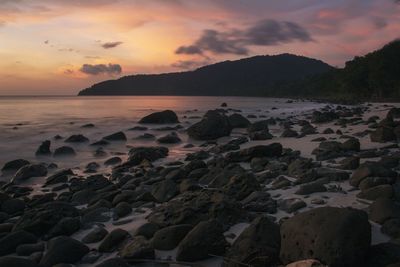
x=88 y=125
x=299 y=167
x=260 y=135
x=119 y=136
x=382 y=135
x=165 y=190
x=350 y=163
x=213 y=126
x=259 y=201
x=100 y=143
x=77 y=138
x=66 y=226
x=260 y=125
x=64 y=151
x=204 y=239
x=44 y=149
x=371 y=182
x=138 y=128
x=328 y=131
x=241 y=185
x=145 y=136
x=384 y=209
x=352 y=144
x=13 y=206
x=238 y=121
x=138 y=154
x=272 y=150
x=11 y=241
x=257 y=245
x=123 y=209
x=28 y=249
x=59 y=177
x=147 y=230
x=14 y=165
x=42 y=218
x=370 y=169
x=323 y=117
x=113 y=161
x=308 y=129
x=171 y=138
x=162 y=117
x=335 y=236
x=380 y=191
x=114 y=262
x=394 y=113
x=224 y=105
x=29 y=171
x=383 y=255
x=392 y=228
x=17 y=262
x=289 y=133
x=291 y=205
x=94 y=236
x=198 y=155
x=169 y=237
x=309 y=188
x=63 y=250
x=138 y=248
x=113 y=240
x=100 y=153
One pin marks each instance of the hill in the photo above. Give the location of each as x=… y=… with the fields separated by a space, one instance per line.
x=255 y=76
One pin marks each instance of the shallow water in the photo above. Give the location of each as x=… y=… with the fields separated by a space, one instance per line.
x=27 y=121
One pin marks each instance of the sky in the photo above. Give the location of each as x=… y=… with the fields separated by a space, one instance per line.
x=58 y=47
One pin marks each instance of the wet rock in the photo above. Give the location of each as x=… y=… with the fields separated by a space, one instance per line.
x=257 y=245
x=11 y=241
x=44 y=149
x=114 y=262
x=61 y=176
x=260 y=135
x=371 y=182
x=113 y=240
x=291 y=205
x=113 y=161
x=309 y=188
x=382 y=255
x=241 y=185
x=238 y=121
x=14 y=165
x=370 y=169
x=17 y=262
x=213 y=125
x=100 y=143
x=28 y=249
x=259 y=201
x=391 y=228
x=64 y=151
x=145 y=136
x=380 y=191
x=328 y=131
x=138 y=248
x=382 y=135
x=162 y=117
x=169 y=237
x=171 y=138
x=63 y=250
x=384 y=209
x=88 y=125
x=323 y=117
x=118 y=136
x=138 y=154
x=94 y=236
x=77 y=138
x=29 y=171
x=272 y=150
x=350 y=163
x=224 y=105
x=66 y=226
x=289 y=133
x=147 y=230
x=204 y=239
x=299 y=167
x=306 y=263
x=335 y=236
x=165 y=190
x=13 y=206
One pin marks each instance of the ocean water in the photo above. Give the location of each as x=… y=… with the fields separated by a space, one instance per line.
x=25 y=122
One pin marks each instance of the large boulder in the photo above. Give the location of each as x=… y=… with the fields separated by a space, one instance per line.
x=272 y=150
x=63 y=250
x=14 y=165
x=29 y=171
x=138 y=154
x=138 y=248
x=113 y=240
x=370 y=169
x=166 y=116
x=384 y=209
x=169 y=237
x=205 y=239
x=382 y=135
x=238 y=121
x=335 y=236
x=258 y=245
x=118 y=136
x=10 y=242
x=44 y=149
x=213 y=125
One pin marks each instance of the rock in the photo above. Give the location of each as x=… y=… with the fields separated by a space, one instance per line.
x=114 y=262
x=291 y=205
x=370 y=169
x=260 y=135
x=28 y=249
x=224 y=105
x=162 y=117
x=13 y=206
x=100 y=143
x=145 y=136
x=171 y=138
x=88 y=125
x=118 y=136
x=113 y=240
x=123 y=209
x=61 y=176
x=257 y=245
x=64 y=151
x=169 y=237
x=383 y=209
x=138 y=154
x=138 y=248
x=66 y=226
x=350 y=163
x=11 y=241
x=309 y=188
x=382 y=255
x=272 y=150
x=213 y=125
x=63 y=250
x=147 y=230
x=259 y=201
x=29 y=171
x=16 y=262
x=380 y=191
x=165 y=190
x=352 y=144
x=44 y=149
x=289 y=133
x=335 y=236
x=241 y=185
x=14 y=165
x=204 y=239
x=371 y=182
x=259 y=126
x=323 y=117
x=238 y=121
x=94 y=236
x=113 y=161
x=391 y=228
x=77 y=138
x=382 y=135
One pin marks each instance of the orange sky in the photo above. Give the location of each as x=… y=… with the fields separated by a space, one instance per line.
x=59 y=46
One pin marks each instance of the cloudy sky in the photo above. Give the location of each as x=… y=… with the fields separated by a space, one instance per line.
x=62 y=46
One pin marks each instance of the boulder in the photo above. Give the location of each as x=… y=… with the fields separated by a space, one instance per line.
x=13 y=206
x=147 y=230
x=309 y=188
x=61 y=176
x=289 y=133
x=370 y=169
x=382 y=135
x=272 y=150
x=169 y=237
x=113 y=240
x=238 y=121
x=63 y=250
x=11 y=241
x=113 y=161
x=17 y=262
x=213 y=125
x=14 y=165
x=258 y=245
x=165 y=190
x=383 y=255
x=138 y=248
x=171 y=138
x=291 y=204
x=379 y=191
x=77 y=138
x=28 y=249
x=335 y=236
x=138 y=154
x=29 y=171
x=162 y=117
x=64 y=151
x=44 y=149
x=118 y=136
x=204 y=239
x=384 y=209
x=94 y=236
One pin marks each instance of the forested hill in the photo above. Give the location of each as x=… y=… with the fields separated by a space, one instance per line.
x=255 y=76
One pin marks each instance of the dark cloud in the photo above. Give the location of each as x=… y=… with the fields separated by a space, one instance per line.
x=189 y=64
x=109 y=45
x=110 y=69
x=263 y=33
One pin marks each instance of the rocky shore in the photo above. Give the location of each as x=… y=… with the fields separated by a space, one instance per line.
x=315 y=189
